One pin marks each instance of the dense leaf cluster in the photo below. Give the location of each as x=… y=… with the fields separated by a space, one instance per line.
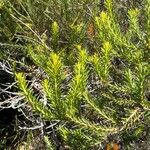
x=94 y=62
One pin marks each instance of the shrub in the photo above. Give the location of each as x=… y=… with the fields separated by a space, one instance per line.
x=96 y=76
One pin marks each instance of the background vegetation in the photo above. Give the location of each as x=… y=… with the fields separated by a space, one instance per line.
x=74 y=74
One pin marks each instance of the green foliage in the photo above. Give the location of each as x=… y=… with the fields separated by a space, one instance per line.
x=79 y=108
x=29 y=94
x=66 y=34
x=49 y=145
